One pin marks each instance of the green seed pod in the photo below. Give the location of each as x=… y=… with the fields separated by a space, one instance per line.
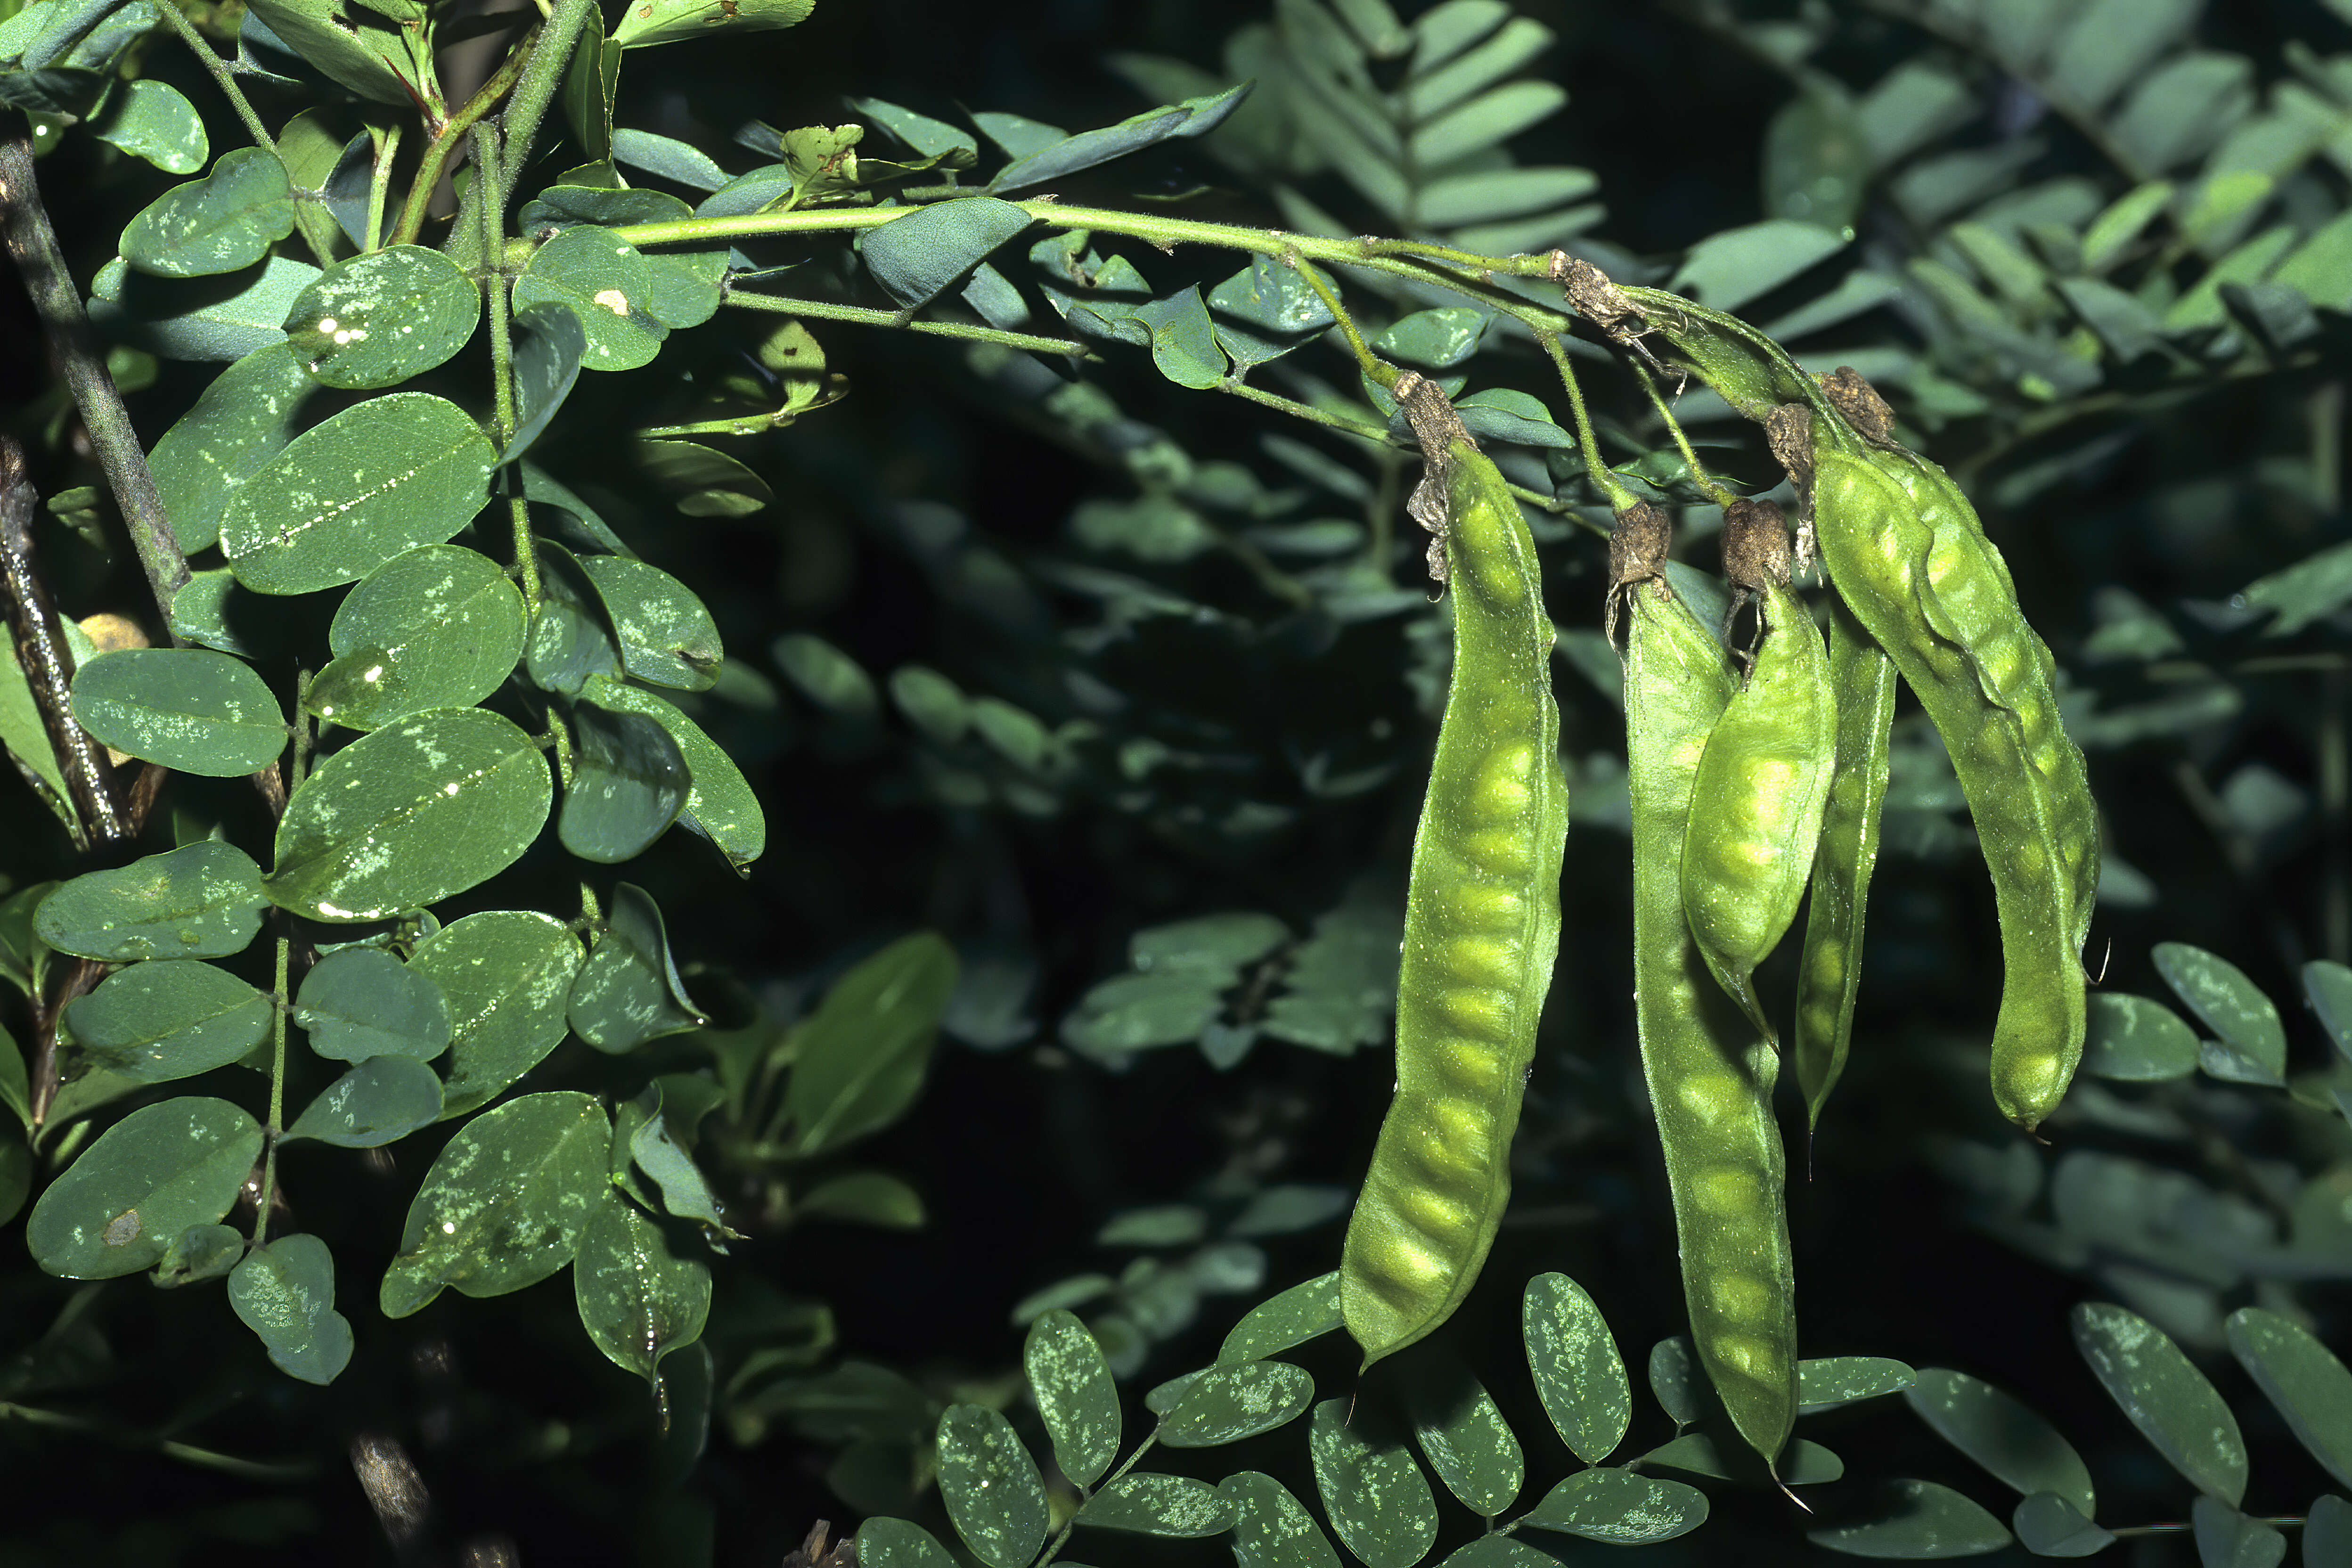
x=1762 y=784
x=2013 y=665
x=1942 y=614
x=1710 y=1077
x=1481 y=916
x=1861 y=685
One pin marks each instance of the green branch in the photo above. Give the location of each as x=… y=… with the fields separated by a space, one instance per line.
x=550 y=61
x=280 y=1001
x=1472 y=275
x=864 y=315
x=489 y=165
x=437 y=154
x=1715 y=492
x=1612 y=488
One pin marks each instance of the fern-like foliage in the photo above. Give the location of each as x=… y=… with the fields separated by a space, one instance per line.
x=1411 y=119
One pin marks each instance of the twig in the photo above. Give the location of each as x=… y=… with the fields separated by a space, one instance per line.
x=186 y=1453
x=47 y=661
x=411 y=222
x=489 y=166
x=551 y=58
x=867 y=315
x=33 y=245
x=42 y=1089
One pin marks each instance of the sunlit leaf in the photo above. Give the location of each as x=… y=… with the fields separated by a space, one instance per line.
x=505 y=1203
x=1378 y=1499
x=639 y=1297
x=380 y=319
x=1577 y=1373
x=2175 y=1408
x=285 y=1292
x=1620 y=1507
x=991 y=1486
x=218 y=223
x=344 y=497
x=427 y=806
x=188 y=708
x=1075 y=1394
x=201 y=900
x=149 y=1177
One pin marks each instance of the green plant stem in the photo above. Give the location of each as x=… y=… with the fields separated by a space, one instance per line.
x=387 y=147
x=1363 y=430
x=1270 y=577
x=1700 y=476
x=488 y=165
x=558 y=38
x=560 y=743
x=1379 y=519
x=863 y=315
x=186 y=1453
x=1611 y=487
x=1373 y=435
x=33 y=245
x=281 y=1002
x=222 y=72
x=2335 y=798
x=2325 y=411
x=223 y=75
x=1367 y=253
x=1382 y=374
x=437 y=154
